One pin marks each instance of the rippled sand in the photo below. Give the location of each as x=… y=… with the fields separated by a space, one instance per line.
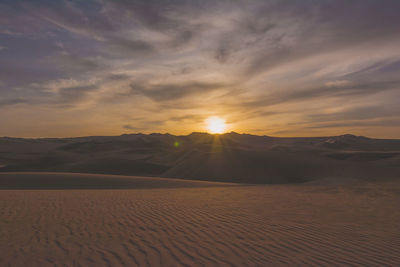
x=211 y=226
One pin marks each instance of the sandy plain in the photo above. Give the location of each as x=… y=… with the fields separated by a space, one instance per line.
x=196 y=224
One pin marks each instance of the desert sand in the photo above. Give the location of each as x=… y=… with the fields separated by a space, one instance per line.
x=198 y=224
x=230 y=157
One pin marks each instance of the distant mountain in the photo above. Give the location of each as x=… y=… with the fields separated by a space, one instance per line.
x=227 y=157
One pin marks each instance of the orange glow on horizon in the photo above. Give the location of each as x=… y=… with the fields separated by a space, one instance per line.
x=216 y=125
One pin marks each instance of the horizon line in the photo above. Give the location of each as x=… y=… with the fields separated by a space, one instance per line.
x=196 y=132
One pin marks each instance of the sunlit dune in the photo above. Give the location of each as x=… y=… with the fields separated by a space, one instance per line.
x=182 y=223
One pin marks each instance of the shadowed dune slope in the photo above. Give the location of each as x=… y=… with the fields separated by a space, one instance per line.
x=40 y=180
x=228 y=157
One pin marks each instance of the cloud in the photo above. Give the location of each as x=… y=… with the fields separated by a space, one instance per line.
x=78 y=64
x=314 y=28
x=345 y=90
x=74 y=18
x=357 y=113
x=60 y=93
x=152 y=14
x=144 y=125
x=73 y=94
x=117 y=77
x=189 y=117
x=133 y=128
x=59 y=45
x=173 y=92
x=132 y=46
x=374 y=123
x=11 y=101
x=283 y=62
x=338 y=83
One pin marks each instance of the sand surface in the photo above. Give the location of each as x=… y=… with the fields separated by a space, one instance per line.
x=48 y=180
x=272 y=225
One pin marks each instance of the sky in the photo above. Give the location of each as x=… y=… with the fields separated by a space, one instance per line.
x=268 y=67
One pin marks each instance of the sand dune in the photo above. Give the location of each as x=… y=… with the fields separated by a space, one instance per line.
x=228 y=157
x=307 y=225
x=43 y=180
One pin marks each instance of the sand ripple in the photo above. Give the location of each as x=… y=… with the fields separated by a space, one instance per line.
x=232 y=226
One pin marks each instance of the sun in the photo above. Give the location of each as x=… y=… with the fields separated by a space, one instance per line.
x=216 y=125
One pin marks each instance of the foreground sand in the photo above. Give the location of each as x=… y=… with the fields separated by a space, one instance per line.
x=356 y=225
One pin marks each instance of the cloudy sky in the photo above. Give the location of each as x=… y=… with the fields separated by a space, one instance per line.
x=282 y=68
